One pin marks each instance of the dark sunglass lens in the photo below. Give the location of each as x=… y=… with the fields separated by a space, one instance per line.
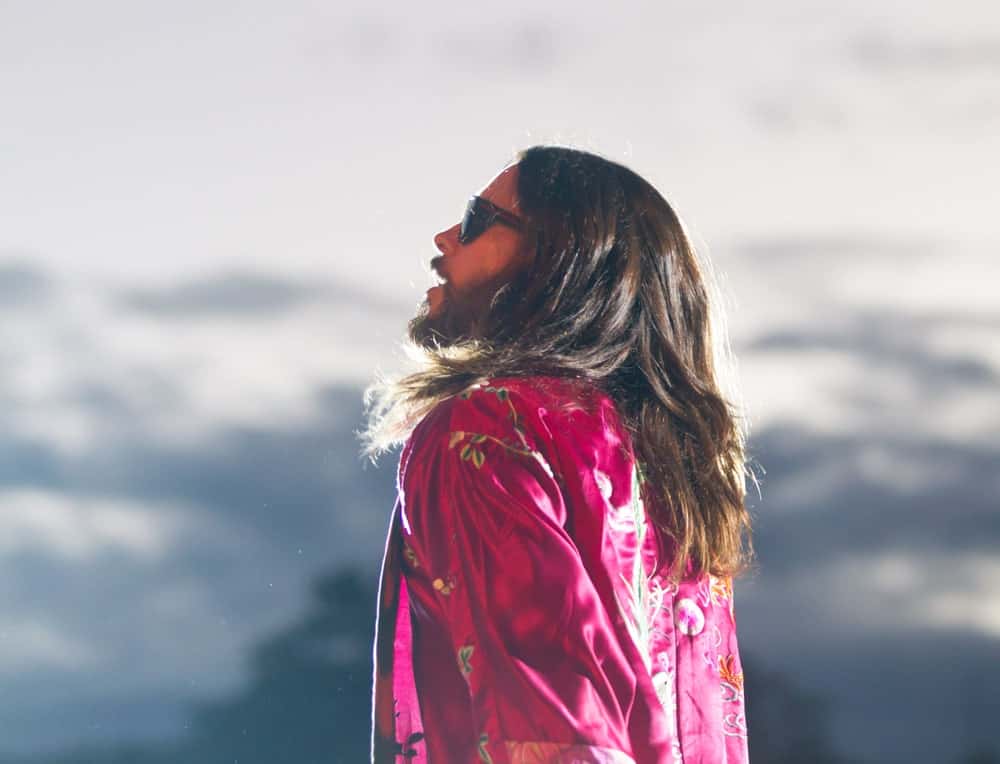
x=473 y=223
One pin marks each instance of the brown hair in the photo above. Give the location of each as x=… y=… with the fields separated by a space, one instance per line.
x=615 y=294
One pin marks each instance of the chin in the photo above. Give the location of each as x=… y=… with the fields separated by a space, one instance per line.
x=438 y=325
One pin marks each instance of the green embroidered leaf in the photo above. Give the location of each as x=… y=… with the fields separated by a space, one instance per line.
x=502 y=393
x=456 y=436
x=478 y=458
x=478 y=438
x=484 y=755
x=464 y=654
x=466 y=451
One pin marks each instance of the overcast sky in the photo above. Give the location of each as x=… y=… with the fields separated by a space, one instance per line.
x=215 y=220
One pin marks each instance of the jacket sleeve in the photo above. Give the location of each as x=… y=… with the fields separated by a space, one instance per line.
x=493 y=568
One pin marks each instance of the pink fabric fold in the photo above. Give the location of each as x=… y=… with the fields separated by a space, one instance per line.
x=521 y=618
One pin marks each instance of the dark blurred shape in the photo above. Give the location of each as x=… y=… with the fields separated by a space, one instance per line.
x=989 y=755
x=308 y=699
x=786 y=724
x=245 y=294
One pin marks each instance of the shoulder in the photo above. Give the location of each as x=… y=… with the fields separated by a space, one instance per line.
x=502 y=411
x=487 y=446
x=536 y=407
x=546 y=416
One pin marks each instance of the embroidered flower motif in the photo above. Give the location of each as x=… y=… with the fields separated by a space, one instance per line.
x=721 y=589
x=675 y=750
x=663 y=659
x=728 y=672
x=703 y=595
x=470 y=453
x=644 y=601
x=735 y=725
x=537 y=752
x=467 y=392
x=410 y=555
x=690 y=619
x=401 y=749
x=464 y=664
x=603 y=484
x=716 y=635
x=445 y=586
x=484 y=755
x=663 y=684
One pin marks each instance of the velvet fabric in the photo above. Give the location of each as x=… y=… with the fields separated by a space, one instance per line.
x=521 y=617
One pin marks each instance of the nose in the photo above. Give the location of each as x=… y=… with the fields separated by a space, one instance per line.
x=447 y=239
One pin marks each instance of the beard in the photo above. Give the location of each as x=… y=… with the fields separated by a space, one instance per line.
x=454 y=321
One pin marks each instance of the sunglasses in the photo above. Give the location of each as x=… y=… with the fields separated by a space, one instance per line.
x=480 y=214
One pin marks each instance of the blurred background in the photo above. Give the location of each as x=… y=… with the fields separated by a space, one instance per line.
x=216 y=219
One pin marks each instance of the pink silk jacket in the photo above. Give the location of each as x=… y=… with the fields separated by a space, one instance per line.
x=520 y=618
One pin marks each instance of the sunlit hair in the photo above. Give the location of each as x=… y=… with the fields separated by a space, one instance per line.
x=616 y=294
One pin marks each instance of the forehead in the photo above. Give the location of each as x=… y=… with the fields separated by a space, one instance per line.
x=502 y=189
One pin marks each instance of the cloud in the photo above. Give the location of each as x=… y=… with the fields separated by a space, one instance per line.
x=508 y=47
x=882 y=338
x=828 y=496
x=882 y=52
x=77 y=529
x=22 y=284
x=837 y=249
x=30 y=644
x=246 y=295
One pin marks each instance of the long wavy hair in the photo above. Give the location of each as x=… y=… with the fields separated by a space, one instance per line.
x=617 y=295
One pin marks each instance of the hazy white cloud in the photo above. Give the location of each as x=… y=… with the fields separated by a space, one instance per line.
x=79 y=529
x=893 y=591
x=31 y=643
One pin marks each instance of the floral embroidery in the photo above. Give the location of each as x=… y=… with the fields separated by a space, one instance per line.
x=704 y=594
x=643 y=604
x=603 y=484
x=721 y=590
x=464 y=654
x=410 y=555
x=666 y=691
x=445 y=586
x=401 y=749
x=716 y=635
x=735 y=725
x=471 y=453
x=675 y=750
x=504 y=395
x=663 y=685
x=475 y=455
x=537 y=752
x=484 y=755
x=728 y=672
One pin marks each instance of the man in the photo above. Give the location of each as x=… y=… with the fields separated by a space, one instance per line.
x=557 y=580
x=471 y=273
